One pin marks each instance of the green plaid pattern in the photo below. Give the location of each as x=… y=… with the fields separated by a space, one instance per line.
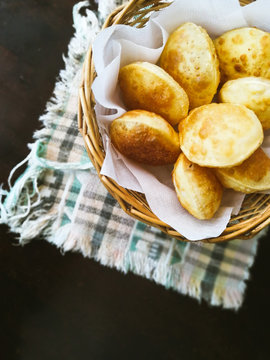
x=78 y=213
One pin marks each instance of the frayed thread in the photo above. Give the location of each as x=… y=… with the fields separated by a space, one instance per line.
x=19 y=205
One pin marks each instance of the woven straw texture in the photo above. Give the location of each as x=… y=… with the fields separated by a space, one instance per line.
x=255 y=211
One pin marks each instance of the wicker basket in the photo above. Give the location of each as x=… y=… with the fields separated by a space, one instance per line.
x=255 y=210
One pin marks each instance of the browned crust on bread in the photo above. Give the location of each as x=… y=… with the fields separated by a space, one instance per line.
x=197 y=188
x=220 y=135
x=145 y=137
x=148 y=87
x=243 y=52
x=189 y=56
x=251 y=176
x=252 y=92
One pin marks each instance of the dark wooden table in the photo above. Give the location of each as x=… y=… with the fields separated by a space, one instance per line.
x=67 y=307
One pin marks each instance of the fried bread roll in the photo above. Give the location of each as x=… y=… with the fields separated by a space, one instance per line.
x=251 y=176
x=220 y=135
x=253 y=92
x=189 y=56
x=197 y=188
x=145 y=137
x=243 y=52
x=146 y=86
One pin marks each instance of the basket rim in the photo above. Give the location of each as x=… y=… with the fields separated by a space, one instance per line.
x=132 y=202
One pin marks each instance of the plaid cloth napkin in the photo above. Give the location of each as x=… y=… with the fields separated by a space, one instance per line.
x=60 y=197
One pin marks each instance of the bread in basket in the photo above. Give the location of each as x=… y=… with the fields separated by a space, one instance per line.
x=255 y=211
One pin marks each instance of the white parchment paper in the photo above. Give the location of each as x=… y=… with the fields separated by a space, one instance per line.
x=119 y=45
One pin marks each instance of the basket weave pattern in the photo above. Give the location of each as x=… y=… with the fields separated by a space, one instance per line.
x=255 y=211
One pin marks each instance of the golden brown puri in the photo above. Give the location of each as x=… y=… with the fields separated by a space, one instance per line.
x=145 y=137
x=197 y=188
x=189 y=56
x=251 y=176
x=220 y=135
x=146 y=86
x=243 y=52
x=253 y=92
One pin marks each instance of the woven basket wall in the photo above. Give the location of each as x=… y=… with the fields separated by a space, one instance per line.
x=255 y=211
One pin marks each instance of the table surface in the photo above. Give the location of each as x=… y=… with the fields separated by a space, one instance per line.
x=68 y=307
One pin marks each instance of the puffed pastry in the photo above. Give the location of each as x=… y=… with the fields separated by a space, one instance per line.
x=145 y=137
x=220 y=135
x=148 y=87
x=189 y=56
x=197 y=188
x=251 y=176
x=253 y=92
x=243 y=52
